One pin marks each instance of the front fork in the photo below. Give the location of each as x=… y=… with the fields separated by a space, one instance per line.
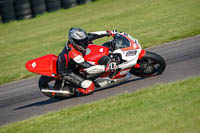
x=142 y=54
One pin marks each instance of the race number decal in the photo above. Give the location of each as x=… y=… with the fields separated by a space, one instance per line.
x=131 y=53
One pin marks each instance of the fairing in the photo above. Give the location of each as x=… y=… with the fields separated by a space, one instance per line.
x=94 y=53
x=45 y=65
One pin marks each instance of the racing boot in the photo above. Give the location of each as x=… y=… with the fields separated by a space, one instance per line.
x=87 y=87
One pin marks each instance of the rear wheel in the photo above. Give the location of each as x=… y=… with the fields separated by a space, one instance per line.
x=51 y=84
x=38 y=7
x=68 y=3
x=151 y=64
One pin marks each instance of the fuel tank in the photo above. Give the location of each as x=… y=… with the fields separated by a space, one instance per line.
x=95 y=52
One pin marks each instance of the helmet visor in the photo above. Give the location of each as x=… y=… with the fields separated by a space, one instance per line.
x=83 y=42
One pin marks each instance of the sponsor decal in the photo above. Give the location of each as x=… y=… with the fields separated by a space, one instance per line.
x=101 y=50
x=34 y=64
x=131 y=53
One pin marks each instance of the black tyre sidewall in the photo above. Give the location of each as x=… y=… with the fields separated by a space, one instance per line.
x=43 y=82
x=153 y=56
x=35 y=3
x=0 y=19
x=158 y=58
x=83 y=1
x=23 y=9
x=68 y=3
x=38 y=10
x=38 y=7
x=7 y=11
x=53 y=5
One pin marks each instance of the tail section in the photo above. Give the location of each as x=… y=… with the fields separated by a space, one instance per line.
x=45 y=65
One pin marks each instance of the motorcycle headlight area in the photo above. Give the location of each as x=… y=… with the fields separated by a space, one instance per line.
x=131 y=53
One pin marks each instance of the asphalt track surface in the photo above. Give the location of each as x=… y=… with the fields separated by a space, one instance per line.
x=22 y=100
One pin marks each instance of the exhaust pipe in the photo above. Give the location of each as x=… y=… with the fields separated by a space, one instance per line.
x=57 y=93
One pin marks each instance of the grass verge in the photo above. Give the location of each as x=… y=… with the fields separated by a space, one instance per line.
x=173 y=107
x=152 y=22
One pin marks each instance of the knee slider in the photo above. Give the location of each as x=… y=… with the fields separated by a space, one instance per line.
x=86 y=84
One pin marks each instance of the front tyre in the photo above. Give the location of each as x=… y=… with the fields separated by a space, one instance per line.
x=151 y=64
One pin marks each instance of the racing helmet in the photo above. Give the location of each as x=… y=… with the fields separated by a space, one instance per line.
x=78 y=38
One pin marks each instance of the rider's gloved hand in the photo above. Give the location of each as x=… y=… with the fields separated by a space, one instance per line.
x=95 y=69
x=111 y=67
x=112 y=32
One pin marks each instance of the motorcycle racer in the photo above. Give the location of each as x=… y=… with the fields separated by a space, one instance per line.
x=78 y=69
x=71 y=58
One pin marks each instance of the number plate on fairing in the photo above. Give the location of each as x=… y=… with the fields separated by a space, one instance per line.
x=131 y=53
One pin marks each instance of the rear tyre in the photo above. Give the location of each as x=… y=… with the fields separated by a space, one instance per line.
x=0 y=19
x=84 y=1
x=38 y=7
x=53 y=5
x=50 y=83
x=68 y=3
x=7 y=11
x=23 y=9
x=151 y=64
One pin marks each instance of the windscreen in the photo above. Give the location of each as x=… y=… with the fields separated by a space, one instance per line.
x=121 y=41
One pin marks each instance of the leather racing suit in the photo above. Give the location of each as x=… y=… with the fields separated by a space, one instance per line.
x=70 y=60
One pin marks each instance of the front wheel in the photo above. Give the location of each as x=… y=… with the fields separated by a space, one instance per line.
x=150 y=65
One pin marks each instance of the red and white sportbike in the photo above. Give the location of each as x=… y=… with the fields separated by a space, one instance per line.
x=123 y=51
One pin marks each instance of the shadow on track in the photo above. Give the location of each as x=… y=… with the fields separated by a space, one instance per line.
x=50 y=101
x=125 y=82
x=41 y=103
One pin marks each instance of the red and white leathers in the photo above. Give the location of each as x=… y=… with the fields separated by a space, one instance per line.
x=70 y=61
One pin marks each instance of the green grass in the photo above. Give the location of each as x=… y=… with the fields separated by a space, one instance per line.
x=152 y=22
x=163 y=108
